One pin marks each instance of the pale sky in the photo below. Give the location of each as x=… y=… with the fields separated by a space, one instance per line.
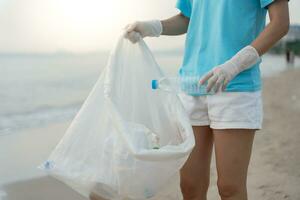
x=45 y=26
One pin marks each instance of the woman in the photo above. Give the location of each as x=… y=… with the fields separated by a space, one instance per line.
x=224 y=42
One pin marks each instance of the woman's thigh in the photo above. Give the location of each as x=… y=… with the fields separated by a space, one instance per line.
x=233 y=151
x=197 y=167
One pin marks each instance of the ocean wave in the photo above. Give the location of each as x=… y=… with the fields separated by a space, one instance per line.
x=44 y=115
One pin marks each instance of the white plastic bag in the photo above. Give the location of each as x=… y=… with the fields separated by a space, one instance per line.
x=107 y=148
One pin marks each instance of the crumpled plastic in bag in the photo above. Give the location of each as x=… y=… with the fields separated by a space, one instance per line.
x=127 y=141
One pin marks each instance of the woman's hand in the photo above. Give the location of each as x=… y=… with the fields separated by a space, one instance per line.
x=220 y=75
x=175 y=25
x=141 y=29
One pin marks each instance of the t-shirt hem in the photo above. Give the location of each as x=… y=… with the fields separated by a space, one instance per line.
x=243 y=89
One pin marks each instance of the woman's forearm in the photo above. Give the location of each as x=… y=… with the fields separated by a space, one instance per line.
x=276 y=29
x=175 y=25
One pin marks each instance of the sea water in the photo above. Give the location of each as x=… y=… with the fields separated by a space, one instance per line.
x=37 y=90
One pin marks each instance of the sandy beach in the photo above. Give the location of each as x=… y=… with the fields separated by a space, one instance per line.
x=274 y=172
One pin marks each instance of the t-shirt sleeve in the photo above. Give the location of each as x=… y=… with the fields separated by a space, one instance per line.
x=265 y=3
x=185 y=7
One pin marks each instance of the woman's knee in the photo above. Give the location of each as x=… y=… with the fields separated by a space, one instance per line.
x=229 y=188
x=192 y=190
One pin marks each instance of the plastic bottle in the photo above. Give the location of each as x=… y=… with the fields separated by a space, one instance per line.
x=153 y=140
x=189 y=85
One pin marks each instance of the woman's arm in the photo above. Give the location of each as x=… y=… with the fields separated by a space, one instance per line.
x=276 y=29
x=220 y=75
x=175 y=25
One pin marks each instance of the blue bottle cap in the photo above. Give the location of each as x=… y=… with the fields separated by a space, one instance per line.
x=154 y=84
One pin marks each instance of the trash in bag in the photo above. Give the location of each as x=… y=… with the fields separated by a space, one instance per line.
x=127 y=141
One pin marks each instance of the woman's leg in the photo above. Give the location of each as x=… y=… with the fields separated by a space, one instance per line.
x=94 y=196
x=233 y=150
x=194 y=175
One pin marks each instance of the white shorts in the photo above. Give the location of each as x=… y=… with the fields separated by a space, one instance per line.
x=225 y=110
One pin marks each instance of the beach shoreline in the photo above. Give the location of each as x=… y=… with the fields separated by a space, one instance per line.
x=273 y=171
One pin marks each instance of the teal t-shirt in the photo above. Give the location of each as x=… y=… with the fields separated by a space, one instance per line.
x=217 y=30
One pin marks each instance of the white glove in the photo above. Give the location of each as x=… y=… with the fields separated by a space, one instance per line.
x=219 y=76
x=141 y=29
